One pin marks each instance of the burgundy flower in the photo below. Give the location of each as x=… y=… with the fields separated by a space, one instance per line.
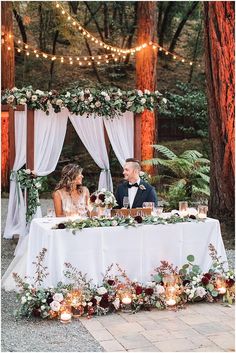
x=111 y=282
x=138 y=219
x=104 y=303
x=36 y=312
x=94 y=301
x=207 y=275
x=93 y=198
x=185 y=282
x=205 y=280
x=49 y=299
x=230 y=282
x=61 y=226
x=139 y=290
x=192 y=216
x=149 y=291
x=101 y=197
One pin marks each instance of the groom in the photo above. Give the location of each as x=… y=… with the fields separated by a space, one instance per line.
x=137 y=190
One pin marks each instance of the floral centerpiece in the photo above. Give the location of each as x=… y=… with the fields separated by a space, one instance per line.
x=103 y=199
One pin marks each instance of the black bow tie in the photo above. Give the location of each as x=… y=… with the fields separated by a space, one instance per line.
x=131 y=185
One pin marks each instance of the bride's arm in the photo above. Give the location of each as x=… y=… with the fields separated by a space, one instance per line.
x=57 y=204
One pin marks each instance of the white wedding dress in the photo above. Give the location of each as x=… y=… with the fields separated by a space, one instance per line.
x=73 y=204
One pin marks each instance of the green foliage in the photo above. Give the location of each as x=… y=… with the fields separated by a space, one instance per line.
x=186 y=176
x=187 y=107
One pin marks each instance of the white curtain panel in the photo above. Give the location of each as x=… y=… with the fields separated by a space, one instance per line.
x=49 y=136
x=15 y=222
x=121 y=135
x=91 y=132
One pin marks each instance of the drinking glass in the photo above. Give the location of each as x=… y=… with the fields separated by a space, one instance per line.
x=125 y=202
x=148 y=205
x=90 y=208
x=82 y=209
x=50 y=212
x=159 y=210
x=202 y=211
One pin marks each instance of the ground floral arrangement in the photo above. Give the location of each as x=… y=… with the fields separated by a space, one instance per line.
x=106 y=102
x=79 y=224
x=170 y=287
x=27 y=180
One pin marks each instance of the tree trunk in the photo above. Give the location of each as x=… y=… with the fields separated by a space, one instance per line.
x=164 y=22
x=8 y=81
x=181 y=26
x=20 y=25
x=194 y=57
x=146 y=62
x=53 y=63
x=106 y=20
x=219 y=59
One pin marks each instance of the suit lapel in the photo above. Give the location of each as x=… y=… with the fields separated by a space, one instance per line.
x=138 y=197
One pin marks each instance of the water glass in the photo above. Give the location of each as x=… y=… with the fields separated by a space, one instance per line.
x=148 y=205
x=202 y=211
x=50 y=212
x=125 y=202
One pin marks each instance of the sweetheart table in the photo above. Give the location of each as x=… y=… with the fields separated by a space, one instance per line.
x=138 y=250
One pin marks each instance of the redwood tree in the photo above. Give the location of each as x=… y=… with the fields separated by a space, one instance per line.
x=219 y=58
x=146 y=62
x=8 y=81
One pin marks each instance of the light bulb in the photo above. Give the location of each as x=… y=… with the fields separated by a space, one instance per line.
x=19 y=41
x=26 y=46
x=68 y=18
x=99 y=57
x=27 y=53
x=74 y=23
x=63 y=12
x=183 y=60
x=18 y=50
x=174 y=57
x=57 y=5
x=166 y=52
x=37 y=55
x=190 y=63
x=8 y=48
x=160 y=49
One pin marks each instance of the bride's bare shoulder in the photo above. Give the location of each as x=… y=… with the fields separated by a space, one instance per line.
x=85 y=190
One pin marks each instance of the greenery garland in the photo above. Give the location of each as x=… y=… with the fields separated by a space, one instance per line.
x=191 y=284
x=79 y=224
x=32 y=183
x=108 y=102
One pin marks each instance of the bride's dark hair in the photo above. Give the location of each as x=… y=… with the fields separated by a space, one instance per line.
x=68 y=175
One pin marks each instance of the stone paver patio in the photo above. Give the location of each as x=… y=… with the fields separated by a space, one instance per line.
x=201 y=327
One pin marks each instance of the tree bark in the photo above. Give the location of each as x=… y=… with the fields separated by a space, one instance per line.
x=53 y=63
x=181 y=26
x=8 y=81
x=194 y=57
x=146 y=62
x=20 y=25
x=219 y=20
x=164 y=22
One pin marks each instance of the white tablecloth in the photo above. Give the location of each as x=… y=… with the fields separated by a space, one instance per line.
x=138 y=249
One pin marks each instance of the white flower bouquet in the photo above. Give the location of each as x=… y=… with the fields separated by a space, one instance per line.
x=103 y=198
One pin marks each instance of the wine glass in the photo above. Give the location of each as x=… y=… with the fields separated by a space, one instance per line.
x=125 y=202
x=50 y=213
x=90 y=208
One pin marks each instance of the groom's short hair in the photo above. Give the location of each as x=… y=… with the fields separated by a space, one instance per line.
x=135 y=163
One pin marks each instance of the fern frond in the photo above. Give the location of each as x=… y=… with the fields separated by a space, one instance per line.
x=165 y=151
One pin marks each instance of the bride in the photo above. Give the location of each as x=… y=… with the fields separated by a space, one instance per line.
x=70 y=197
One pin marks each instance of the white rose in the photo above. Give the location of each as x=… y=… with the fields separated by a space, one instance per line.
x=92 y=105
x=29 y=298
x=90 y=304
x=107 y=98
x=10 y=99
x=146 y=91
x=159 y=289
x=157 y=93
x=67 y=95
x=143 y=101
x=128 y=105
x=90 y=98
x=39 y=92
x=37 y=185
x=114 y=223
x=164 y=100
x=200 y=292
x=98 y=104
x=23 y=300
x=14 y=89
x=34 y=98
x=23 y=100
x=87 y=90
x=58 y=297
x=81 y=98
x=116 y=303
x=101 y=290
x=28 y=171
x=119 y=93
x=140 y=93
x=59 y=102
x=28 y=94
x=103 y=93
x=55 y=306
x=150 y=284
x=151 y=100
x=44 y=301
x=98 y=299
x=42 y=307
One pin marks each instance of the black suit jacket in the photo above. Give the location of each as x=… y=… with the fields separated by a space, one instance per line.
x=147 y=195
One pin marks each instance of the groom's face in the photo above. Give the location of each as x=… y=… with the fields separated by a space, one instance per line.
x=130 y=173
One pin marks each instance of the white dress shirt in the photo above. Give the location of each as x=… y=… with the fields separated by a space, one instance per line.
x=132 y=193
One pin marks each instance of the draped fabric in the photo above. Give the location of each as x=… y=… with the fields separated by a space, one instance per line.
x=91 y=132
x=121 y=135
x=15 y=222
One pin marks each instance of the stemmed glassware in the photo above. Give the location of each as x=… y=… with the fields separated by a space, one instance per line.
x=125 y=202
x=90 y=208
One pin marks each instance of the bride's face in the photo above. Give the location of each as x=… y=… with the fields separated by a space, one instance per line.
x=78 y=180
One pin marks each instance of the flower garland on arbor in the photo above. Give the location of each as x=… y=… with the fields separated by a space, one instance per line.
x=32 y=183
x=169 y=287
x=107 y=102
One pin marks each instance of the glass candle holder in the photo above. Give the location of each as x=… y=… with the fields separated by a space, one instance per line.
x=126 y=301
x=65 y=316
x=170 y=295
x=202 y=211
x=183 y=208
x=220 y=285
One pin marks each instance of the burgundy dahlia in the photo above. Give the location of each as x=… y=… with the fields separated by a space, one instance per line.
x=138 y=219
x=36 y=312
x=205 y=280
x=93 y=198
x=111 y=282
x=101 y=197
x=149 y=291
x=61 y=226
x=185 y=282
x=104 y=303
x=230 y=282
x=208 y=275
x=139 y=290
x=94 y=301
